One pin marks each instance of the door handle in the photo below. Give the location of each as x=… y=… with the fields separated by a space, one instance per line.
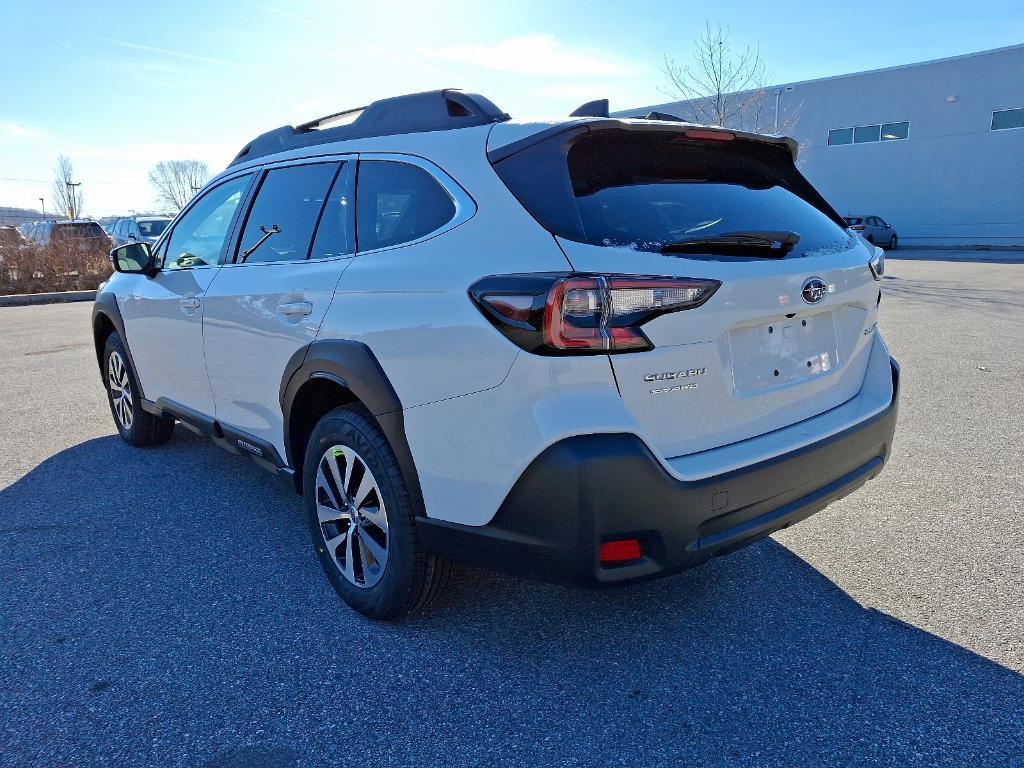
x=192 y=303
x=295 y=309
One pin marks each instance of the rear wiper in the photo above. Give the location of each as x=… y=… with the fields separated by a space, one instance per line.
x=746 y=243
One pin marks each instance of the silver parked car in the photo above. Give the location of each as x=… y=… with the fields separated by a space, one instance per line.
x=138 y=229
x=874 y=229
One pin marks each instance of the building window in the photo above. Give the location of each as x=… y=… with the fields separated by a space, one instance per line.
x=895 y=131
x=840 y=136
x=1008 y=118
x=865 y=133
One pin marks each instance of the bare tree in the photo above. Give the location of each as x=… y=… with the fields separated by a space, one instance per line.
x=724 y=86
x=176 y=181
x=67 y=193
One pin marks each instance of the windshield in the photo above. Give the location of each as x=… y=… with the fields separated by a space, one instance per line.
x=647 y=191
x=154 y=227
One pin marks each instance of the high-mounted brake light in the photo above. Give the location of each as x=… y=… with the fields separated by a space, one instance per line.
x=697 y=133
x=559 y=314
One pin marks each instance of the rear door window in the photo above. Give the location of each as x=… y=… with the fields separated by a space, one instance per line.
x=398 y=203
x=281 y=220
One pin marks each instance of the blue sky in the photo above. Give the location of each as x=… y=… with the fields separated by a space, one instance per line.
x=119 y=86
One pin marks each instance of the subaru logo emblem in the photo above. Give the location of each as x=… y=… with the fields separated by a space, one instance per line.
x=814 y=290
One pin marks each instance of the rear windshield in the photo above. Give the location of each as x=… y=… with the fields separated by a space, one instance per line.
x=851 y=220
x=85 y=229
x=647 y=190
x=153 y=228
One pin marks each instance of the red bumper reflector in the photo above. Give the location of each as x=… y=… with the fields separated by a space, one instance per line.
x=622 y=551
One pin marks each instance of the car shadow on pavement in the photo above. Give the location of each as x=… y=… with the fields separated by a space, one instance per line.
x=164 y=606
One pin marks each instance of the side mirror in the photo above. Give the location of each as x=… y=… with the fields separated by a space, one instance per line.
x=134 y=259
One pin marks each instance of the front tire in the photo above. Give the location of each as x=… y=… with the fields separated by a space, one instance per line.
x=362 y=522
x=893 y=242
x=136 y=426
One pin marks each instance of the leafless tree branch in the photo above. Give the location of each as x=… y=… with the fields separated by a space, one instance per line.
x=67 y=194
x=724 y=86
x=176 y=181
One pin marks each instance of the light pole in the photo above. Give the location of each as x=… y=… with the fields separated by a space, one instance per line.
x=778 y=94
x=71 y=197
x=42 y=206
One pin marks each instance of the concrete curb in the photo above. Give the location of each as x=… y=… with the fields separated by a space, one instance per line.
x=57 y=297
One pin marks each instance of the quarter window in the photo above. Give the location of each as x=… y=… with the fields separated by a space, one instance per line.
x=1008 y=118
x=198 y=239
x=398 y=203
x=281 y=221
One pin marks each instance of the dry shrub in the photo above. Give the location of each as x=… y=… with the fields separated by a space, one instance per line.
x=58 y=266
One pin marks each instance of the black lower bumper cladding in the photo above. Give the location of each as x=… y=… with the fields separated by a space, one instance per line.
x=590 y=489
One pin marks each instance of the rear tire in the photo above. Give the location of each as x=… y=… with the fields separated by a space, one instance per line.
x=870 y=239
x=136 y=426
x=362 y=522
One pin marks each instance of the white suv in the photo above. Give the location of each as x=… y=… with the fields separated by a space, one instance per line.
x=592 y=350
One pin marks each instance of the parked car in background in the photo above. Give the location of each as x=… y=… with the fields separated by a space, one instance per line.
x=138 y=229
x=874 y=229
x=10 y=239
x=82 y=234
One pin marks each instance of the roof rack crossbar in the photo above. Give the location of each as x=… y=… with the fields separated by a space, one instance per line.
x=439 y=110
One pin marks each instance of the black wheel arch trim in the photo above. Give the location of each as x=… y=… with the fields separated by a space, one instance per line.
x=105 y=308
x=352 y=366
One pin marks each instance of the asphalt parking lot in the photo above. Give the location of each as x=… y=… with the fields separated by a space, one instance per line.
x=164 y=607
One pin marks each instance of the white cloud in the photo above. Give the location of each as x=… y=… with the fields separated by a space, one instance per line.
x=11 y=131
x=534 y=55
x=168 y=52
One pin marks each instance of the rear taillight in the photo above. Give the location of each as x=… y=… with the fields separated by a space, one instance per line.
x=562 y=314
x=877 y=263
x=857 y=228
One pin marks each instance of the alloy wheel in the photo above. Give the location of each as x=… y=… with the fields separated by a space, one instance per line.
x=120 y=389
x=352 y=517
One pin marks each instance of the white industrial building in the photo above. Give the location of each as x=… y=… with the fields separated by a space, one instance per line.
x=936 y=148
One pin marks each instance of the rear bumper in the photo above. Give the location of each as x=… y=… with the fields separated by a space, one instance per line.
x=589 y=489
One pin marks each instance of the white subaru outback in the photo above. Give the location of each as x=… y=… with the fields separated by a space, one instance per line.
x=594 y=350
